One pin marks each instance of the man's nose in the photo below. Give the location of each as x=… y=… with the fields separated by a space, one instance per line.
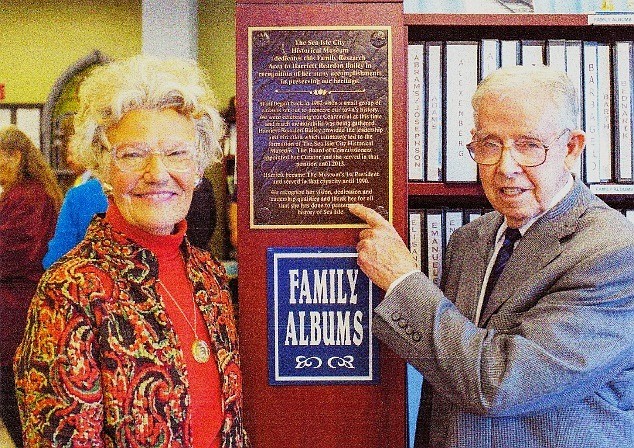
x=507 y=164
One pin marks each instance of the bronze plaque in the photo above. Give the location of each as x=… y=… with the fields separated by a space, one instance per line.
x=320 y=124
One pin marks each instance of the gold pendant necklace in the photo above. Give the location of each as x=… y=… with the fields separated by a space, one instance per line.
x=200 y=349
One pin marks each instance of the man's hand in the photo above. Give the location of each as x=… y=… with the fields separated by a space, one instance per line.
x=383 y=255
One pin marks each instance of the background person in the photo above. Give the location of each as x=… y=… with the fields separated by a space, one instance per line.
x=131 y=338
x=80 y=205
x=29 y=203
x=201 y=217
x=82 y=174
x=544 y=357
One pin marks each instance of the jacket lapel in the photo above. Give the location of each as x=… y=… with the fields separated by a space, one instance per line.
x=537 y=248
x=475 y=264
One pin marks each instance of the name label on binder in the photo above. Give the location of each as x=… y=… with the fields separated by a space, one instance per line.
x=611 y=18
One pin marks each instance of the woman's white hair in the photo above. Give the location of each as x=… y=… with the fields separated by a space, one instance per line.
x=539 y=81
x=144 y=82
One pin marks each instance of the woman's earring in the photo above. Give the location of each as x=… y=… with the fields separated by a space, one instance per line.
x=198 y=181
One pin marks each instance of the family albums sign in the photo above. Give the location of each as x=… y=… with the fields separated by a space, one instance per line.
x=319 y=125
x=320 y=317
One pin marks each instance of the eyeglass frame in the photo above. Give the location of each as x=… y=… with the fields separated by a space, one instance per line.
x=512 y=147
x=113 y=148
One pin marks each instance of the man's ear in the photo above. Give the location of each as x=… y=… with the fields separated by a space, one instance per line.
x=576 y=144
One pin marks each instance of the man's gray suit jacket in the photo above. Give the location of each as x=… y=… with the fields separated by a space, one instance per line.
x=551 y=363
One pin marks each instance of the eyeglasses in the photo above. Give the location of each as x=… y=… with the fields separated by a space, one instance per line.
x=527 y=152
x=134 y=157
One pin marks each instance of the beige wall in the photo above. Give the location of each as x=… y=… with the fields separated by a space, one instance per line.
x=39 y=39
x=217 y=46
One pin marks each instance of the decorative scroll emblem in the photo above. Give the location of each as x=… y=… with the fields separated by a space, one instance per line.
x=379 y=39
x=334 y=362
x=304 y=362
x=346 y=362
x=322 y=92
x=262 y=39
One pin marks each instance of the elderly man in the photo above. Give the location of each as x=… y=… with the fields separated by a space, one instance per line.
x=529 y=342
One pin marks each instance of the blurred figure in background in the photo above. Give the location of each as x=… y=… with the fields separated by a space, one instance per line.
x=29 y=204
x=230 y=143
x=80 y=205
x=201 y=217
x=82 y=174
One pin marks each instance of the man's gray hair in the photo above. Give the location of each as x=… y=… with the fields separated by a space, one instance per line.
x=547 y=83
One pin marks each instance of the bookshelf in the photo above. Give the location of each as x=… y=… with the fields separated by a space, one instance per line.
x=521 y=27
x=479 y=20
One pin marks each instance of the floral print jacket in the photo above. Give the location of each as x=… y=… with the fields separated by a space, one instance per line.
x=100 y=364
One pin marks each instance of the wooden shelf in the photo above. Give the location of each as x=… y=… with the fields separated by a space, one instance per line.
x=540 y=20
x=444 y=189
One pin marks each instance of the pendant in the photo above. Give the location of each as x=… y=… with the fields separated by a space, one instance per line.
x=201 y=351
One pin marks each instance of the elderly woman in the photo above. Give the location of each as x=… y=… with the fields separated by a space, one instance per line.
x=29 y=203
x=131 y=338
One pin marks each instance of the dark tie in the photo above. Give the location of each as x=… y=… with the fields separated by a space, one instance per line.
x=510 y=237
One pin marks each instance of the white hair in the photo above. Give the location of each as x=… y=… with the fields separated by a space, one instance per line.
x=543 y=82
x=144 y=82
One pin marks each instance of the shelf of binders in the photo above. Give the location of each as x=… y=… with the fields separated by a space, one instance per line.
x=443 y=189
x=425 y=194
x=448 y=54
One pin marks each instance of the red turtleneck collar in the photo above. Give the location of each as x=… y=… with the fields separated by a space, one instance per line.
x=161 y=245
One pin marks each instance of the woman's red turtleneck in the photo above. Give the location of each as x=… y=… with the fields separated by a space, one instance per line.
x=204 y=378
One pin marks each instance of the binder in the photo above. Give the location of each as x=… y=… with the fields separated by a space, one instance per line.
x=556 y=54
x=461 y=80
x=453 y=220
x=604 y=94
x=434 y=112
x=415 y=241
x=574 y=71
x=532 y=52
x=471 y=214
x=414 y=386
x=434 y=240
x=509 y=52
x=590 y=110
x=623 y=110
x=415 y=111
x=489 y=57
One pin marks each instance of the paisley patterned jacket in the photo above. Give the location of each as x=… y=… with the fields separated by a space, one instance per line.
x=99 y=364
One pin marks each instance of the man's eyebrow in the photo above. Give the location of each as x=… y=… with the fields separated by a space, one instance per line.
x=488 y=136
x=491 y=136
